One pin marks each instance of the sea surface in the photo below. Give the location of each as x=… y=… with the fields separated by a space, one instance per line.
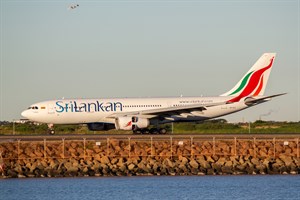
x=154 y=187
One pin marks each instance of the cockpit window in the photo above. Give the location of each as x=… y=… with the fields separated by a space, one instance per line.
x=33 y=107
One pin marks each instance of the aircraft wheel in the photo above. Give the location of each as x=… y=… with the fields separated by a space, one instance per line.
x=137 y=131
x=51 y=131
x=145 y=131
x=162 y=131
x=154 y=131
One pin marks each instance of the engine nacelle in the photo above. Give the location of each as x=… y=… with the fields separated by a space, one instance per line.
x=100 y=126
x=131 y=123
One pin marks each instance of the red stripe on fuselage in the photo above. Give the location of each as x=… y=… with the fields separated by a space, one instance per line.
x=128 y=124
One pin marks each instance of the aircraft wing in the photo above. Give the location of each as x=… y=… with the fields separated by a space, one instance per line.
x=167 y=111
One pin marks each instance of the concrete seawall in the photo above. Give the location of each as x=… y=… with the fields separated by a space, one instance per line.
x=149 y=156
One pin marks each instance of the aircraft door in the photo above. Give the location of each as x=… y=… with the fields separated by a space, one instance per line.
x=50 y=109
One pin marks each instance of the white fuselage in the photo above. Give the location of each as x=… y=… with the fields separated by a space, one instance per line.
x=76 y=111
x=140 y=113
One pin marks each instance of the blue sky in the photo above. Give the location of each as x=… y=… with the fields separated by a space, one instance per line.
x=147 y=48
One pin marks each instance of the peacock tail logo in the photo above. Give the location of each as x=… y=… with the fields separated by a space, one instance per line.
x=253 y=80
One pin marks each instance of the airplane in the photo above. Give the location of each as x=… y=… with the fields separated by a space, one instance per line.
x=137 y=114
x=73 y=6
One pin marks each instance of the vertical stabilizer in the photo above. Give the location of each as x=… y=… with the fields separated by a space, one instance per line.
x=255 y=80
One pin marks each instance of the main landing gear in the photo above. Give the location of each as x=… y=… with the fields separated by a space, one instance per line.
x=150 y=131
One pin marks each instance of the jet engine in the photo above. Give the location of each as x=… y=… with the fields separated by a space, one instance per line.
x=100 y=126
x=131 y=123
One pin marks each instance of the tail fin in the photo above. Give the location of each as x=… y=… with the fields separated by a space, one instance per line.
x=255 y=80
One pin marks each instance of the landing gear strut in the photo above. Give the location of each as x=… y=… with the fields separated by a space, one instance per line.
x=51 y=129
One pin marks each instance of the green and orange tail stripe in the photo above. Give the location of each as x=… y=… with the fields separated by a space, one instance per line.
x=255 y=80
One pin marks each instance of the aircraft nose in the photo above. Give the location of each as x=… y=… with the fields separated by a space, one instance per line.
x=25 y=113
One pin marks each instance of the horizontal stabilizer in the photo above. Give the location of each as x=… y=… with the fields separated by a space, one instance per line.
x=252 y=101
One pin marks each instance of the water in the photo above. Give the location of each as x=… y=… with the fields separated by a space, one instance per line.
x=159 y=187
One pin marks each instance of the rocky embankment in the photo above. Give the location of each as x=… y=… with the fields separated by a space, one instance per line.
x=130 y=158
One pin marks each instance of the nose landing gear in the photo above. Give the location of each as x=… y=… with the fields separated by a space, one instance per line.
x=51 y=130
